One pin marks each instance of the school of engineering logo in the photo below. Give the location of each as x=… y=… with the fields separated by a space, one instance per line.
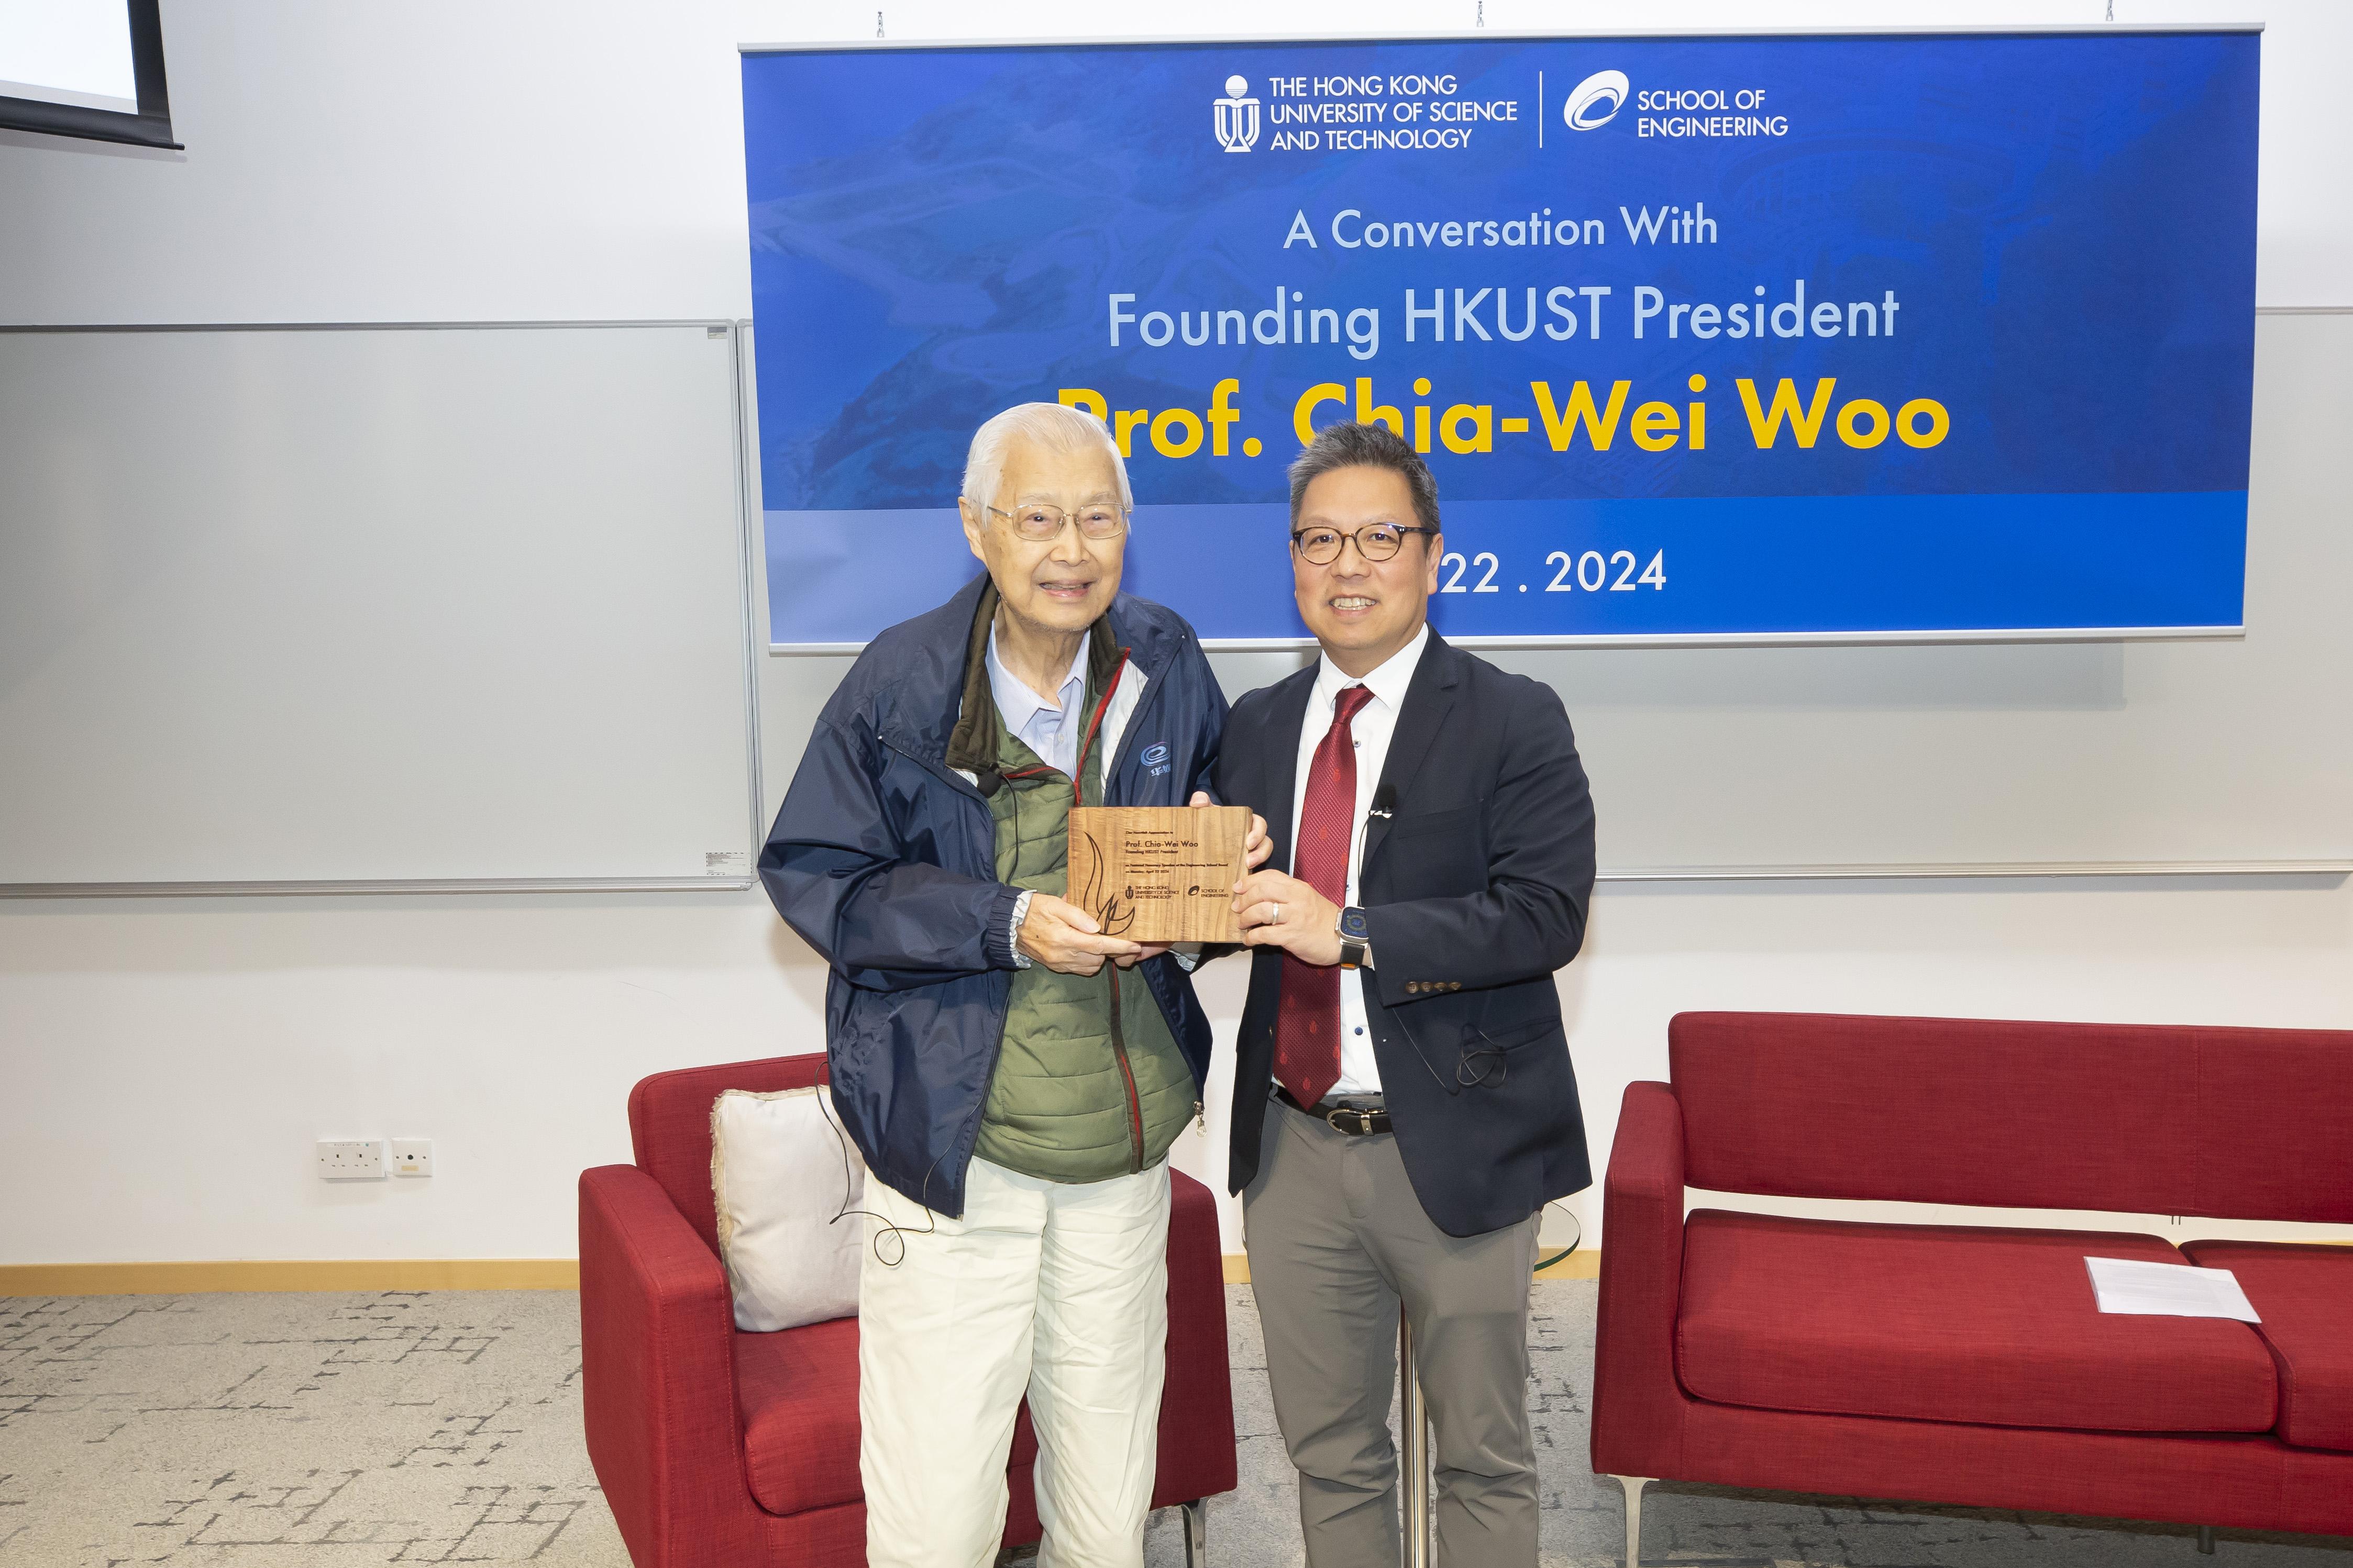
x=1237 y=116
x=1594 y=101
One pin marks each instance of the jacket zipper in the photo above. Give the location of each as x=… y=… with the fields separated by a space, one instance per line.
x=1111 y=689
x=1127 y=1076
x=1135 y=1110
x=1134 y=727
x=1111 y=969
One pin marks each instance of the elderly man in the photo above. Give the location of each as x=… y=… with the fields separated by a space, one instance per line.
x=1013 y=1077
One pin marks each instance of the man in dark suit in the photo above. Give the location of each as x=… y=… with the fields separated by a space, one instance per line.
x=1404 y=1105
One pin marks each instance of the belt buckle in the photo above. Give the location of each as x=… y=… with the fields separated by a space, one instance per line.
x=1364 y=1118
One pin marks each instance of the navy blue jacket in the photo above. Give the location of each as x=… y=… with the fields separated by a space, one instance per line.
x=1477 y=874
x=884 y=861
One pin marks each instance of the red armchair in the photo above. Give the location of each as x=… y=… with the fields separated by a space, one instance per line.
x=721 y=1449
x=1969 y=1364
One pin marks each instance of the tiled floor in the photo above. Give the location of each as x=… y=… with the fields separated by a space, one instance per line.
x=336 y=1431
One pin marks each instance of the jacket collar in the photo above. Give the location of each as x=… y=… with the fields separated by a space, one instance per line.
x=947 y=646
x=1388 y=683
x=1427 y=700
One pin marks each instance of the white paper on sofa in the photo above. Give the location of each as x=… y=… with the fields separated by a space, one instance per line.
x=2168 y=1290
x=781 y=1173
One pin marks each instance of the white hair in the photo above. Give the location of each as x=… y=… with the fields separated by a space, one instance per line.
x=1050 y=425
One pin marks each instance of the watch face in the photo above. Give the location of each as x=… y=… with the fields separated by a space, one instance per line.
x=1352 y=924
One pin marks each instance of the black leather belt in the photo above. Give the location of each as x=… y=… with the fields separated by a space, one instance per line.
x=1352 y=1120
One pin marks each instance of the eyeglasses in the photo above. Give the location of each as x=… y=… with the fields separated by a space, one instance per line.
x=1375 y=541
x=1037 y=520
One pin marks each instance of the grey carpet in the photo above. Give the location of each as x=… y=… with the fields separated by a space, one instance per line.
x=335 y=1431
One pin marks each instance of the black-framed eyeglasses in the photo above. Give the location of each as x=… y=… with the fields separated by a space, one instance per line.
x=1039 y=521
x=1321 y=546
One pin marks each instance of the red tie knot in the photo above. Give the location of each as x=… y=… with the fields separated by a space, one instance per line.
x=1349 y=702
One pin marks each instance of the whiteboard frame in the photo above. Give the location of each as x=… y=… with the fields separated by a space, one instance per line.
x=747 y=535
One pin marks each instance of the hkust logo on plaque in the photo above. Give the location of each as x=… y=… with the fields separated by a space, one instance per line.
x=1160 y=873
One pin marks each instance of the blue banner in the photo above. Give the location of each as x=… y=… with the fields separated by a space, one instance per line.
x=1705 y=337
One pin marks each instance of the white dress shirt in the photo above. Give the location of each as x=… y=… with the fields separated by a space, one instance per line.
x=1375 y=723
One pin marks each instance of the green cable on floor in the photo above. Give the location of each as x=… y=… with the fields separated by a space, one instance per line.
x=1546 y=1263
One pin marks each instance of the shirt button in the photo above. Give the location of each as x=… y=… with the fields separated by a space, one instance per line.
x=1360 y=1028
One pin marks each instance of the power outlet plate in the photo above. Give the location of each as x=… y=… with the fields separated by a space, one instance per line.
x=351 y=1159
x=412 y=1156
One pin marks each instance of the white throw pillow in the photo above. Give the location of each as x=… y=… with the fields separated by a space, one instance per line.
x=782 y=1172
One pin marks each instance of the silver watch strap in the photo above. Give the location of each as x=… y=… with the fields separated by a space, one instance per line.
x=1022 y=912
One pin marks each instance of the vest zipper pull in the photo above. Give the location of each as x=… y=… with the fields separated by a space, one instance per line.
x=1200 y=1119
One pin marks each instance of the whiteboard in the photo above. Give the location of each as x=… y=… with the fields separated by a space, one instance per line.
x=351 y=608
x=2231 y=755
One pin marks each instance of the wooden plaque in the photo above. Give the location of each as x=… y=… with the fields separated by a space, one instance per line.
x=1160 y=873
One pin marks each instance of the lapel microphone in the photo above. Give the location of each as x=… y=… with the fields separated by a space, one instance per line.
x=1384 y=801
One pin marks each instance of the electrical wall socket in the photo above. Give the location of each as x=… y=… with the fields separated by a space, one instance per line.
x=351 y=1159
x=412 y=1156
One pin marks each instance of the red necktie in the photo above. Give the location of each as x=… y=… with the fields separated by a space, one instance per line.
x=1307 y=1024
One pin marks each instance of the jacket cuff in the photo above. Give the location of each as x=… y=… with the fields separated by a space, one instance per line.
x=1005 y=912
x=1394 y=985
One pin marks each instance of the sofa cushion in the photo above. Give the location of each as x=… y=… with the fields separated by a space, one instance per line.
x=2304 y=1297
x=1951 y=1323
x=797 y=1392
x=783 y=1178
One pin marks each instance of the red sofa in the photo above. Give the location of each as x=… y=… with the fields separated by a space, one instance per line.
x=1969 y=1364
x=721 y=1449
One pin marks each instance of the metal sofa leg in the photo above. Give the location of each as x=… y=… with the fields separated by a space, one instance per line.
x=1197 y=1532
x=2206 y=1539
x=1633 y=1486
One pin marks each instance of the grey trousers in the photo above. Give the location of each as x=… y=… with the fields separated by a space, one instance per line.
x=1336 y=1238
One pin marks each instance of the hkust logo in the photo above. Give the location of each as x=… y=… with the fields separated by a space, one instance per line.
x=1237 y=116
x=1156 y=758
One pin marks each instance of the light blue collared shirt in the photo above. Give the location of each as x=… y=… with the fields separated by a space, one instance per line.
x=1052 y=730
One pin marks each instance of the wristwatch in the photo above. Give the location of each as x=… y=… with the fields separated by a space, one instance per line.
x=1354 y=937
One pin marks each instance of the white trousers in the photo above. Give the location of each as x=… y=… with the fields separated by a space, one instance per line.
x=1056 y=1290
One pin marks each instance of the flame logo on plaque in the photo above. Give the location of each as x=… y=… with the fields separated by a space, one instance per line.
x=1116 y=915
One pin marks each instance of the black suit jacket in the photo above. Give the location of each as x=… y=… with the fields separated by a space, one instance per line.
x=1475 y=889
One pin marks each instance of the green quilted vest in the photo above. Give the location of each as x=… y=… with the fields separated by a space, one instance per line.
x=1090 y=1084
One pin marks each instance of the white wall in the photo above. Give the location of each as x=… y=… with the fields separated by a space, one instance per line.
x=164 y=1065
